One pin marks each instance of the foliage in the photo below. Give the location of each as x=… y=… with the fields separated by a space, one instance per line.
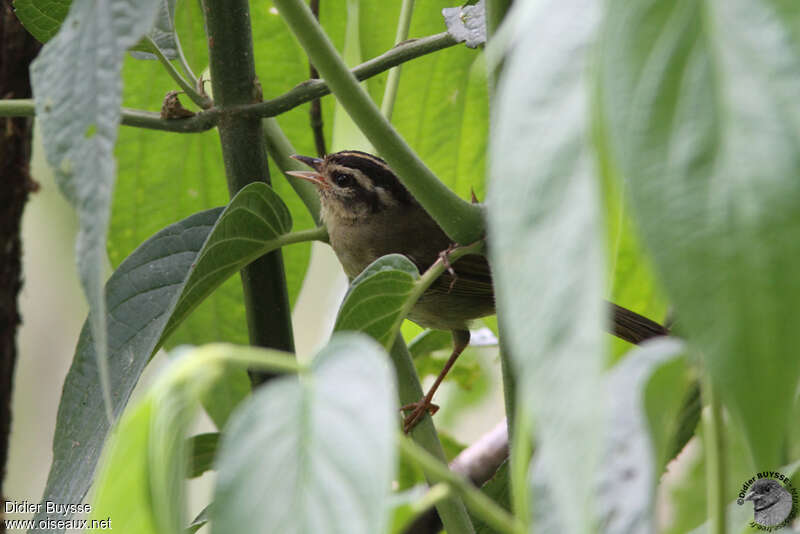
x=643 y=152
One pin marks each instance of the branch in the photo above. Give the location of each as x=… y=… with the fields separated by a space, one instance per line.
x=315 y=113
x=311 y=89
x=393 y=80
x=451 y=510
x=302 y=93
x=480 y=504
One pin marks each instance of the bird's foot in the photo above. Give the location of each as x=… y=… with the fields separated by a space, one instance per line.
x=418 y=410
x=445 y=257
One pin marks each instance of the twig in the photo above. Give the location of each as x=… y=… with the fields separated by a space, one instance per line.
x=302 y=93
x=203 y=102
x=478 y=503
x=393 y=81
x=315 y=112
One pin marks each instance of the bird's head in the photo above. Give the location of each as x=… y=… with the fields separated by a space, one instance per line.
x=764 y=493
x=353 y=184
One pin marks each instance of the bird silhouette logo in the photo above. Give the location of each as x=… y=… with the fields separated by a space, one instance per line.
x=774 y=505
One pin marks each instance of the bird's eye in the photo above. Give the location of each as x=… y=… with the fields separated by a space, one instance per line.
x=342 y=179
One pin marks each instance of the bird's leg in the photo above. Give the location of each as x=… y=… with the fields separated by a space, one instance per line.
x=444 y=256
x=418 y=409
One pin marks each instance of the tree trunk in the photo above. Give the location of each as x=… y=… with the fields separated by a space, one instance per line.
x=17 y=50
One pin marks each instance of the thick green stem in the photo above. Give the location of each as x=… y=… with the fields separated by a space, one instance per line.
x=234 y=83
x=481 y=505
x=452 y=511
x=463 y=222
x=713 y=445
x=393 y=80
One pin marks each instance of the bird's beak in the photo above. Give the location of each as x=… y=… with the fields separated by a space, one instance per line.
x=750 y=496
x=313 y=177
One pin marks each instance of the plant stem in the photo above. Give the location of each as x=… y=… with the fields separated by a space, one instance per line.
x=17 y=107
x=315 y=111
x=234 y=83
x=187 y=69
x=203 y=102
x=715 y=459
x=462 y=222
x=452 y=511
x=520 y=452
x=393 y=80
x=304 y=92
x=481 y=505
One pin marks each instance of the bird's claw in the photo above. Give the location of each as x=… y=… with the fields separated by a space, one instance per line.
x=418 y=410
x=445 y=257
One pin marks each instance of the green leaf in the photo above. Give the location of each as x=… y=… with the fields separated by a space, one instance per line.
x=123 y=486
x=142 y=480
x=708 y=143
x=147 y=296
x=203 y=449
x=294 y=442
x=632 y=281
x=406 y=507
x=375 y=302
x=220 y=400
x=466 y=374
x=429 y=341
x=75 y=81
x=248 y=228
x=139 y=296
x=499 y=489
x=42 y=18
x=162 y=33
x=546 y=247
x=646 y=392
x=671 y=400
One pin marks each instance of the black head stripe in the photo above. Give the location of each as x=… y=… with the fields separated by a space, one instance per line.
x=375 y=168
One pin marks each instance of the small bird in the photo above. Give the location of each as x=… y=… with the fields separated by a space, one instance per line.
x=369 y=213
x=772 y=503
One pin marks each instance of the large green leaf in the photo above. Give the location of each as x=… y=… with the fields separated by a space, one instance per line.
x=141 y=487
x=147 y=297
x=639 y=432
x=248 y=228
x=42 y=18
x=124 y=486
x=297 y=444
x=698 y=97
x=376 y=301
x=139 y=296
x=546 y=246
